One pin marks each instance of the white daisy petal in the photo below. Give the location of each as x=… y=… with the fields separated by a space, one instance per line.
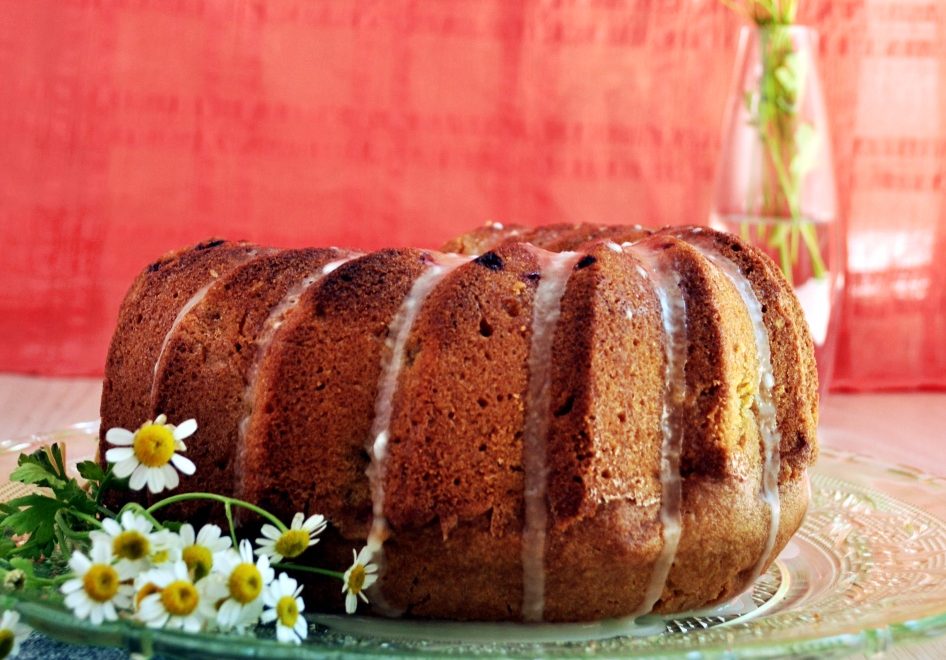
x=119 y=454
x=186 y=532
x=284 y=634
x=183 y=464
x=316 y=522
x=185 y=429
x=138 y=478
x=155 y=480
x=111 y=526
x=117 y=436
x=71 y=586
x=124 y=468
x=79 y=563
x=83 y=608
x=171 y=480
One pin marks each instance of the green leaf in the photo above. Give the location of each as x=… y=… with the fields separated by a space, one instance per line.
x=91 y=471
x=35 y=473
x=35 y=517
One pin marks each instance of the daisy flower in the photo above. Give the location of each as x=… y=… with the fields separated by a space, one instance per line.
x=130 y=539
x=12 y=633
x=166 y=548
x=149 y=455
x=359 y=576
x=199 y=551
x=144 y=587
x=97 y=589
x=168 y=598
x=284 y=606
x=245 y=583
x=293 y=542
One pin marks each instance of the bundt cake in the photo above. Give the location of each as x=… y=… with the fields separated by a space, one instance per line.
x=567 y=423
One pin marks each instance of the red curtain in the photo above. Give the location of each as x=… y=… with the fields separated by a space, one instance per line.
x=129 y=127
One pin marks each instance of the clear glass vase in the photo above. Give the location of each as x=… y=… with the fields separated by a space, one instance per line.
x=775 y=180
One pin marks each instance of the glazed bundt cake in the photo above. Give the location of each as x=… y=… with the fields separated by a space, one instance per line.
x=567 y=423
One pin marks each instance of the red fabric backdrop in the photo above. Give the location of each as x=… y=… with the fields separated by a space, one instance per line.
x=128 y=127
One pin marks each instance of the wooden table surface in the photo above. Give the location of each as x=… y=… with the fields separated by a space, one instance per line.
x=896 y=428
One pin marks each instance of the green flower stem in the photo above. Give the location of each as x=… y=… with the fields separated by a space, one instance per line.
x=811 y=241
x=777 y=122
x=67 y=531
x=83 y=516
x=228 y=509
x=310 y=569
x=50 y=582
x=61 y=540
x=223 y=499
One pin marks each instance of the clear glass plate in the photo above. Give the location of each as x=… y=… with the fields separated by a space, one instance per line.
x=867 y=570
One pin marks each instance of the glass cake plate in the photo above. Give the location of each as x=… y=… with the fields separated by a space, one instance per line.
x=866 y=571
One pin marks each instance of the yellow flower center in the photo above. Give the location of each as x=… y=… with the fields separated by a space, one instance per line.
x=356 y=579
x=131 y=545
x=180 y=598
x=145 y=591
x=6 y=642
x=160 y=556
x=101 y=582
x=292 y=543
x=199 y=560
x=245 y=584
x=287 y=611
x=154 y=445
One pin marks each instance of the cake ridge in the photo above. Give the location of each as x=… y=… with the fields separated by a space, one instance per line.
x=765 y=410
x=555 y=269
x=393 y=358
x=673 y=312
x=264 y=339
x=182 y=313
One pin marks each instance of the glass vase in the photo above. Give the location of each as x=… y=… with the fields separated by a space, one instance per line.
x=775 y=182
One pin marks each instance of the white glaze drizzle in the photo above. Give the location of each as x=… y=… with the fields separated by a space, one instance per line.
x=546 y=309
x=765 y=411
x=398 y=332
x=191 y=303
x=673 y=315
x=277 y=316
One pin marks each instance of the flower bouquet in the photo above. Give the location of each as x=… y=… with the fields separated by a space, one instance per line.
x=62 y=545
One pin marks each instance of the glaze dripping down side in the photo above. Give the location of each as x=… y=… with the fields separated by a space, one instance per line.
x=764 y=401
x=399 y=331
x=555 y=270
x=666 y=283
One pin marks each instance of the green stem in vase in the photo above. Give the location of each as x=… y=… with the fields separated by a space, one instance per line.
x=790 y=146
